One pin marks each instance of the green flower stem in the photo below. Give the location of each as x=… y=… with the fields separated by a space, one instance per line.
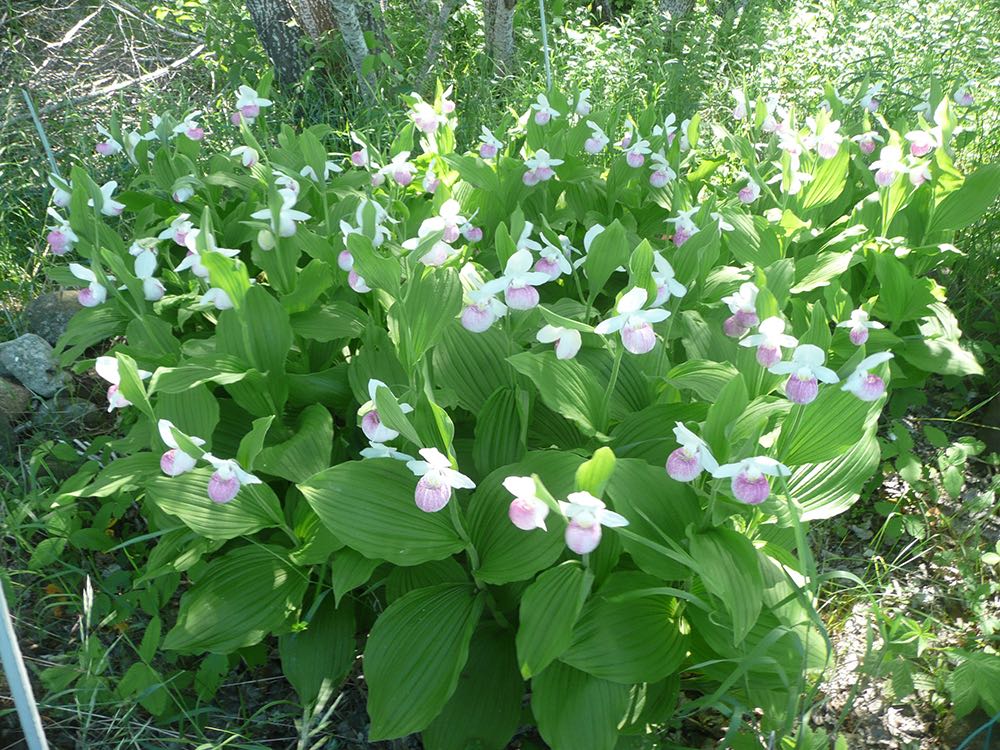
x=615 y=368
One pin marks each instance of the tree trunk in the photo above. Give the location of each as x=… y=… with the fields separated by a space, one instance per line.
x=346 y=14
x=498 y=16
x=280 y=37
x=676 y=9
x=438 y=29
x=316 y=17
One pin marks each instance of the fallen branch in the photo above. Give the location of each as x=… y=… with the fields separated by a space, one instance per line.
x=72 y=32
x=144 y=78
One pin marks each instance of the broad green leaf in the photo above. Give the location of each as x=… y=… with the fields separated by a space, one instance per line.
x=131 y=385
x=627 y=639
x=575 y=710
x=432 y=299
x=900 y=296
x=826 y=428
x=378 y=271
x=329 y=322
x=727 y=565
x=970 y=202
x=472 y=365
x=501 y=430
x=609 y=250
x=241 y=598
x=186 y=497
x=566 y=387
x=322 y=653
x=194 y=412
x=402 y=581
x=725 y=408
x=268 y=332
x=350 y=570
x=828 y=182
x=826 y=489
x=144 y=684
x=306 y=452
x=704 y=377
x=369 y=506
x=391 y=415
x=227 y=274
x=253 y=442
x=819 y=270
x=415 y=655
x=549 y=610
x=485 y=709
x=648 y=434
x=221 y=369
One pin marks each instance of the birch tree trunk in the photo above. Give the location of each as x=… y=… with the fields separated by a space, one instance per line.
x=346 y=14
x=316 y=17
x=281 y=38
x=676 y=9
x=438 y=28
x=498 y=17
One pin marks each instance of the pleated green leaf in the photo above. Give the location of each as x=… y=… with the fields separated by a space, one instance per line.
x=501 y=430
x=350 y=569
x=826 y=489
x=576 y=710
x=549 y=610
x=566 y=387
x=322 y=653
x=472 y=365
x=727 y=565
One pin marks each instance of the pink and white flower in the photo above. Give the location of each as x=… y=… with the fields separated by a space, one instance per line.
x=662 y=173
x=371 y=423
x=825 y=140
x=684 y=226
x=250 y=103
x=583 y=103
x=193 y=259
x=668 y=130
x=586 y=515
x=489 y=144
x=437 y=480
x=866 y=141
x=400 y=169
x=359 y=158
x=145 y=267
x=96 y=293
x=189 y=126
x=919 y=172
x=518 y=282
x=107 y=368
x=175 y=461
x=805 y=371
x=770 y=339
x=888 y=166
x=870 y=99
x=425 y=117
x=859 y=323
x=357 y=283
x=248 y=156
x=543 y=110
x=667 y=285
x=743 y=305
x=379 y=450
x=963 y=95
x=227 y=479
x=61 y=236
x=540 y=166
x=749 y=477
x=553 y=262
x=635 y=153
x=61 y=191
x=634 y=323
x=527 y=511
x=288 y=215
x=744 y=105
x=178 y=230
x=329 y=167
x=567 y=340
x=862 y=383
x=109 y=146
x=216 y=298
x=109 y=206
x=922 y=142
x=597 y=141
x=687 y=462
x=749 y=192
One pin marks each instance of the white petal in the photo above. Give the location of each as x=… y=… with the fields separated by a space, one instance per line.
x=520 y=486
x=107 y=368
x=548 y=334
x=612 y=324
x=727 y=470
x=632 y=300
x=611 y=519
x=81 y=272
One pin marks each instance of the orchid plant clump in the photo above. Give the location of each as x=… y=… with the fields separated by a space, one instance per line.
x=536 y=408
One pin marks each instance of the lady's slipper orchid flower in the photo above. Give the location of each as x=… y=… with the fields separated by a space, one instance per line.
x=489 y=144
x=175 y=461
x=527 y=511
x=183 y=189
x=371 y=423
x=359 y=158
x=482 y=311
x=178 y=230
x=425 y=117
x=553 y=262
x=922 y=142
x=685 y=141
x=471 y=233
x=329 y=167
x=109 y=146
x=61 y=236
x=250 y=103
x=724 y=226
x=248 y=156
x=567 y=340
x=805 y=371
x=227 y=479
x=749 y=477
x=668 y=130
x=109 y=206
x=439 y=254
x=430 y=182
x=686 y=463
x=598 y=140
x=107 y=368
x=287 y=215
x=540 y=167
x=744 y=105
x=216 y=298
x=96 y=293
x=662 y=173
x=634 y=323
x=287 y=183
x=684 y=226
x=630 y=130
x=379 y=450
x=773 y=110
x=870 y=100
x=635 y=154
x=667 y=285
x=61 y=191
x=770 y=339
x=919 y=173
x=437 y=480
x=193 y=258
x=189 y=126
x=143 y=245
x=749 y=192
x=866 y=141
x=586 y=515
x=862 y=383
x=826 y=141
x=743 y=305
x=583 y=103
x=963 y=96
x=543 y=110
x=888 y=166
x=357 y=283
x=399 y=169
x=518 y=282
x=859 y=323
x=145 y=267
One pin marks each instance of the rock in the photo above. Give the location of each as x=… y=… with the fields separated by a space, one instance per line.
x=7 y=443
x=30 y=360
x=65 y=413
x=48 y=314
x=15 y=399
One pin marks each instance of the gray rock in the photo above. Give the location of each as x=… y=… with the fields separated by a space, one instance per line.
x=15 y=399
x=65 y=413
x=48 y=314
x=7 y=443
x=29 y=359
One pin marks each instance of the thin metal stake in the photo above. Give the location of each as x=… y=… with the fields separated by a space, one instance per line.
x=545 y=45
x=41 y=133
x=17 y=678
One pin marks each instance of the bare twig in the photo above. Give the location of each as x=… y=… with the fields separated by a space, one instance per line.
x=130 y=10
x=68 y=37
